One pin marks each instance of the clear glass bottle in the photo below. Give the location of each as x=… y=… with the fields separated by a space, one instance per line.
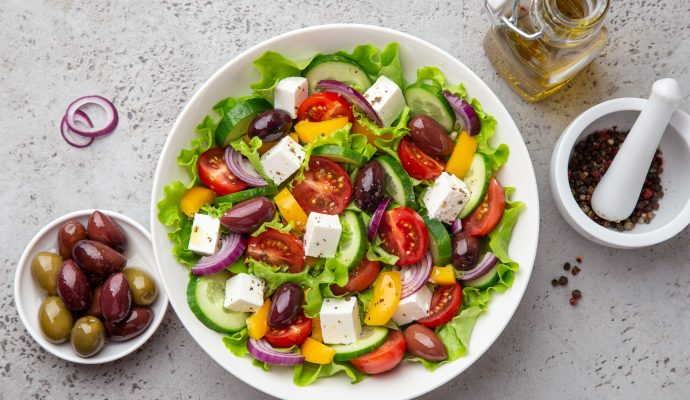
x=537 y=46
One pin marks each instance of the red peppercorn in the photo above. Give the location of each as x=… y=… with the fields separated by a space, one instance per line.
x=573 y=301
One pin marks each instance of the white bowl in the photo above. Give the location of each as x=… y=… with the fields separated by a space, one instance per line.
x=406 y=381
x=28 y=296
x=674 y=208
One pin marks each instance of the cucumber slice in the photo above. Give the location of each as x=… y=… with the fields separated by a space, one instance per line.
x=477 y=180
x=425 y=99
x=398 y=183
x=247 y=194
x=205 y=296
x=353 y=242
x=339 y=68
x=339 y=154
x=236 y=120
x=485 y=281
x=439 y=241
x=369 y=340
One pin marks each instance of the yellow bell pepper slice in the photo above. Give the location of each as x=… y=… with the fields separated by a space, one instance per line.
x=257 y=323
x=290 y=209
x=461 y=159
x=385 y=299
x=316 y=330
x=194 y=198
x=308 y=131
x=317 y=353
x=443 y=276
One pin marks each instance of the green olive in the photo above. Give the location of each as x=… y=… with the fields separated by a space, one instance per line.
x=45 y=268
x=88 y=336
x=55 y=319
x=143 y=287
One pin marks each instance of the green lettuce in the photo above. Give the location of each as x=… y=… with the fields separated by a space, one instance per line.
x=237 y=343
x=308 y=373
x=251 y=151
x=274 y=67
x=188 y=157
x=275 y=223
x=387 y=62
x=180 y=225
x=388 y=138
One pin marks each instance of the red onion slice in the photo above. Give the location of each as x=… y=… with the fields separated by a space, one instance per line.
x=111 y=116
x=465 y=114
x=415 y=276
x=70 y=137
x=456 y=227
x=240 y=166
x=351 y=95
x=376 y=218
x=231 y=248
x=264 y=352
x=489 y=261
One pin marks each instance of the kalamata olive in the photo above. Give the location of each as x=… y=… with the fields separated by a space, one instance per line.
x=270 y=125
x=45 y=268
x=246 y=216
x=466 y=250
x=55 y=319
x=103 y=229
x=94 y=308
x=429 y=136
x=69 y=234
x=141 y=285
x=116 y=299
x=138 y=320
x=423 y=342
x=87 y=336
x=370 y=186
x=286 y=305
x=97 y=258
x=73 y=287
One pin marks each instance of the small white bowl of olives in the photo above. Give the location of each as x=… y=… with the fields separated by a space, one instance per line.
x=86 y=287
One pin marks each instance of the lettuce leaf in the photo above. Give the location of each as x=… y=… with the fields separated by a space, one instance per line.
x=274 y=67
x=237 y=343
x=251 y=151
x=386 y=139
x=308 y=373
x=169 y=214
x=188 y=157
x=375 y=64
x=276 y=223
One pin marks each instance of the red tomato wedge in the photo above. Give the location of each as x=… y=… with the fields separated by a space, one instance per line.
x=326 y=188
x=418 y=164
x=360 y=278
x=485 y=218
x=404 y=234
x=277 y=248
x=384 y=358
x=445 y=303
x=292 y=335
x=324 y=106
x=216 y=175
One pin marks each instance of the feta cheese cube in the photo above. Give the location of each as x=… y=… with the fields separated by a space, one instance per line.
x=289 y=93
x=340 y=320
x=322 y=235
x=413 y=307
x=205 y=233
x=446 y=198
x=386 y=99
x=244 y=293
x=282 y=160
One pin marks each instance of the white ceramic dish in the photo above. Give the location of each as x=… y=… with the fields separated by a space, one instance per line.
x=28 y=296
x=409 y=380
x=674 y=208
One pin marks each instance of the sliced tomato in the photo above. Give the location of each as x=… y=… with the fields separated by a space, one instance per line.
x=418 y=164
x=360 y=278
x=324 y=106
x=485 y=218
x=277 y=248
x=445 y=303
x=404 y=234
x=215 y=175
x=384 y=358
x=292 y=335
x=326 y=187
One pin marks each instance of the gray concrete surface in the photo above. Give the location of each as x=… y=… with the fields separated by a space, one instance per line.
x=628 y=338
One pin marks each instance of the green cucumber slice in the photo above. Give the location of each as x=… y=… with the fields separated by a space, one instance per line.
x=425 y=99
x=234 y=198
x=369 y=340
x=439 y=241
x=339 y=68
x=485 y=281
x=205 y=296
x=353 y=240
x=236 y=120
x=477 y=180
x=398 y=183
x=339 y=154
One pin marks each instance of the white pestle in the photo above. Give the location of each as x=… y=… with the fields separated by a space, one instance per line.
x=616 y=196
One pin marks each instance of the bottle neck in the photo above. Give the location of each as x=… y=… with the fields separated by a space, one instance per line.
x=570 y=20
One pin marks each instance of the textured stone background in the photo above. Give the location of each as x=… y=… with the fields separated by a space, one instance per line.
x=628 y=338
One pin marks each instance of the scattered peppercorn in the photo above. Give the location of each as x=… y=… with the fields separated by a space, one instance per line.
x=575 y=270
x=577 y=294
x=573 y=301
x=579 y=259
x=563 y=280
x=554 y=282
x=566 y=266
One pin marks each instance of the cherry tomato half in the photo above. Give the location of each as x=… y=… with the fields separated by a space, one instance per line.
x=277 y=248
x=485 y=218
x=404 y=234
x=445 y=303
x=324 y=106
x=326 y=187
x=215 y=175
x=417 y=163
x=360 y=278
x=384 y=358
x=292 y=335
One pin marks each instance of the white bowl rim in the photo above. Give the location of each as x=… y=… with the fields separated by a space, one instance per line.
x=561 y=187
x=38 y=337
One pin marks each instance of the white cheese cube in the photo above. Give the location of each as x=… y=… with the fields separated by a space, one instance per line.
x=413 y=307
x=386 y=99
x=282 y=160
x=289 y=93
x=446 y=198
x=244 y=293
x=322 y=235
x=205 y=233
x=340 y=320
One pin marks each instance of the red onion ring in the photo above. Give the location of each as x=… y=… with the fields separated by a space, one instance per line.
x=231 y=248
x=243 y=170
x=415 y=276
x=488 y=261
x=72 y=139
x=376 y=218
x=264 y=352
x=108 y=107
x=465 y=114
x=456 y=227
x=351 y=95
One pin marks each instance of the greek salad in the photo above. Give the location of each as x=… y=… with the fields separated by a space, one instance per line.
x=341 y=219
